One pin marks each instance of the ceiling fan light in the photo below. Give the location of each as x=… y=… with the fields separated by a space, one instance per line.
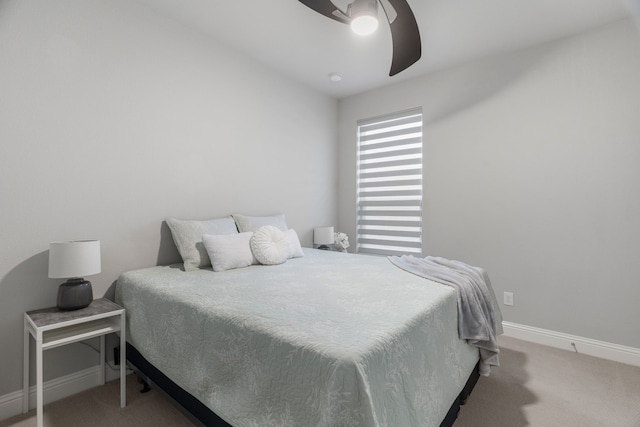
x=364 y=25
x=364 y=16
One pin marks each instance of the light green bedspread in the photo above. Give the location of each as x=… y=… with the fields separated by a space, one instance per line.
x=330 y=339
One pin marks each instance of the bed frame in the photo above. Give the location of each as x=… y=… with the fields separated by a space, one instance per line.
x=150 y=374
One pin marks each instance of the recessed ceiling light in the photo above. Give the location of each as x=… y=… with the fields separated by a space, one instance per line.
x=335 y=77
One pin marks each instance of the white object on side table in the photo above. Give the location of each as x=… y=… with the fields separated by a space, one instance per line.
x=52 y=327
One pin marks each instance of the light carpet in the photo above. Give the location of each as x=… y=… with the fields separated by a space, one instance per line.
x=534 y=386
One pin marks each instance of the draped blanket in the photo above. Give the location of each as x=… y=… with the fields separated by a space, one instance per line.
x=479 y=317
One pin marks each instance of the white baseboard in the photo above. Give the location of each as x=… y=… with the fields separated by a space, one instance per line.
x=601 y=349
x=58 y=388
x=55 y=389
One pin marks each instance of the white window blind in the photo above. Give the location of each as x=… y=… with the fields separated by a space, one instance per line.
x=390 y=184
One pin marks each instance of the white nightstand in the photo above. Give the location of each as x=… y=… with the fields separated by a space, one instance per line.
x=52 y=327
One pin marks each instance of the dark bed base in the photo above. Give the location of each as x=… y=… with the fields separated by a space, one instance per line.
x=207 y=417
x=462 y=398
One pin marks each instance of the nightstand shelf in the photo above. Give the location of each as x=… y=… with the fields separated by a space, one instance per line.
x=80 y=332
x=51 y=327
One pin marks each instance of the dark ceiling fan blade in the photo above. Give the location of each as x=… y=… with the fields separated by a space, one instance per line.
x=328 y=9
x=405 y=35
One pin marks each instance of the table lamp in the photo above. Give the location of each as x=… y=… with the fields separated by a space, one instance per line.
x=73 y=260
x=323 y=236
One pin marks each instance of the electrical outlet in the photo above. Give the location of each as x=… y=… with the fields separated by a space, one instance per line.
x=508 y=298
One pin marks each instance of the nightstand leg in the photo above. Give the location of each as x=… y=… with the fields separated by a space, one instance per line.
x=39 y=394
x=123 y=361
x=102 y=361
x=25 y=372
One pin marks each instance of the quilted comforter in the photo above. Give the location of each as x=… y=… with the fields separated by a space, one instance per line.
x=329 y=339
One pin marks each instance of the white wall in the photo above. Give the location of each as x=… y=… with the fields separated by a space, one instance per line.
x=531 y=169
x=113 y=118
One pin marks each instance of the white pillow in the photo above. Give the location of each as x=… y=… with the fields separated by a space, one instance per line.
x=270 y=245
x=295 y=250
x=187 y=235
x=252 y=223
x=228 y=251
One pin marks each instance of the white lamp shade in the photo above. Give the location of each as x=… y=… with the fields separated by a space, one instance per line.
x=77 y=258
x=323 y=236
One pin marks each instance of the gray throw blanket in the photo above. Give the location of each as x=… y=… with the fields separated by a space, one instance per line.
x=479 y=317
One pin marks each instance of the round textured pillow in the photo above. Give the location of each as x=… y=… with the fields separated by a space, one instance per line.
x=269 y=245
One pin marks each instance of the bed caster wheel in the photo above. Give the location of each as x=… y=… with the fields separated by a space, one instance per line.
x=145 y=385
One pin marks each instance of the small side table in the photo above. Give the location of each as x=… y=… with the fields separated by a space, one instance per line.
x=52 y=327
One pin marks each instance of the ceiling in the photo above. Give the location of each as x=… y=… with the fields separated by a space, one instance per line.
x=287 y=36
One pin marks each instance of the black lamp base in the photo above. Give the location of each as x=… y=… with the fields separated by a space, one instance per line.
x=74 y=294
x=324 y=247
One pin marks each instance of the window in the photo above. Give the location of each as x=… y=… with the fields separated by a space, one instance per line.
x=389 y=205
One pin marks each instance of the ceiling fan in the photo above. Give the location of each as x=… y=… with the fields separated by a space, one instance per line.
x=362 y=15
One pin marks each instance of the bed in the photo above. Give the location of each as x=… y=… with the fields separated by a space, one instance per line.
x=326 y=339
